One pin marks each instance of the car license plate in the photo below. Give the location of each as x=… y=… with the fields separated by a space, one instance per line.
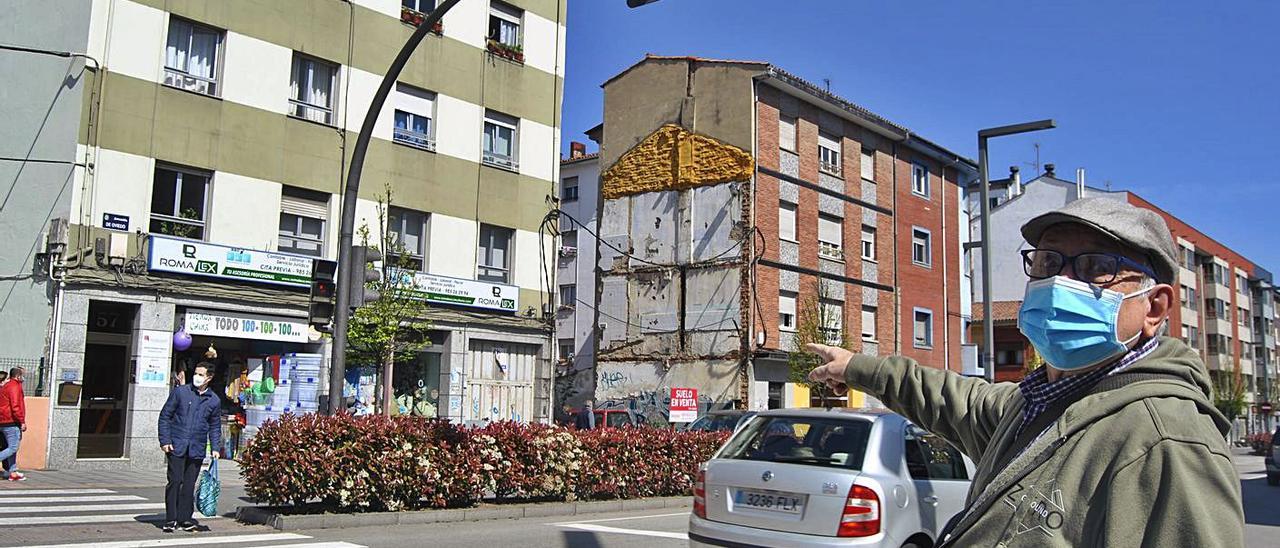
x=769 y=500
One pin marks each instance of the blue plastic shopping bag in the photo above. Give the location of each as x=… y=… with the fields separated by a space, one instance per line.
x=208 y=490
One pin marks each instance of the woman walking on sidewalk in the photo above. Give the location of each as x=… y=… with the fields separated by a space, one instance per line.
x=188 y=420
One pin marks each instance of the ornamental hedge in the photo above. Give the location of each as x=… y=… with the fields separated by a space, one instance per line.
x=375 y=463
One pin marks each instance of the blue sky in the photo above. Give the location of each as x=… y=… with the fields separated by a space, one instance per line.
x=1177 y=101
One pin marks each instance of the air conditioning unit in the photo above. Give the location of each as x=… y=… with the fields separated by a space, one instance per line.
x=568 y=251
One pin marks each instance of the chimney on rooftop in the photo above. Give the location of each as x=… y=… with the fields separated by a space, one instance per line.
x=577 y=150
x=1015 y=180
x=1079 y=182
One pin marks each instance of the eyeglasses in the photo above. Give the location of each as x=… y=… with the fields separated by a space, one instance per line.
x=1094 y=268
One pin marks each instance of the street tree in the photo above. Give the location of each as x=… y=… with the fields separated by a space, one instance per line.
x=393 y=329
x=817 y=323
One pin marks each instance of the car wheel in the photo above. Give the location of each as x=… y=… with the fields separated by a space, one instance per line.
x=1273 y=479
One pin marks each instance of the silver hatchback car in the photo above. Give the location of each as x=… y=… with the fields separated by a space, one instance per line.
x=828 y=477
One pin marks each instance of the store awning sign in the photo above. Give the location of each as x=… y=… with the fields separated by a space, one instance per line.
x=230 y=263
x=245 y=326
x=460 y=292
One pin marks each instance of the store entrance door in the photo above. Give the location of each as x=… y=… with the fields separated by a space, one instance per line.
x=104 y=400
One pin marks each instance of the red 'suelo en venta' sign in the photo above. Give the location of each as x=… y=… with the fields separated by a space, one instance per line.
x=684 y=405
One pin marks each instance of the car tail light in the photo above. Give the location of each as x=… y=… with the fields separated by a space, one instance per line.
x=700 y=495
x=861 y=516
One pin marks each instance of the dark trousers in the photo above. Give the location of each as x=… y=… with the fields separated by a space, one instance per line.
x=180 y=492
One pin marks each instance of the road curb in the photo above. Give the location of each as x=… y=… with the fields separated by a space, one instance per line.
x=273 y=516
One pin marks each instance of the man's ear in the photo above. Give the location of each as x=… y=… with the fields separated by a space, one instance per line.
x=1161 y=301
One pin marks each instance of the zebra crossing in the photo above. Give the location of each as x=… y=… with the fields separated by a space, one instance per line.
x=215 y=541
x=88 y=507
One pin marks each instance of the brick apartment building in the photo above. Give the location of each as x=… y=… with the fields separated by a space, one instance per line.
x=740 y=193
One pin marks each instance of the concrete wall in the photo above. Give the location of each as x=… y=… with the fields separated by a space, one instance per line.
x=42 y=98
x=653 y=93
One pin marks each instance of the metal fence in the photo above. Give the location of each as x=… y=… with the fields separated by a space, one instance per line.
x=34 y=381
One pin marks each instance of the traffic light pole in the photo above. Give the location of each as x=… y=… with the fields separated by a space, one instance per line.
x=346 y=228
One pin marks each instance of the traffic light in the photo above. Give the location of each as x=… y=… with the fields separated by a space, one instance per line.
x=324 y=288
x=362 y=273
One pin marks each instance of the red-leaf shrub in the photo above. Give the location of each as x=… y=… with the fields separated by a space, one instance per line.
x=365 y=463
x=642 y=462
x=530 y=461
x=374 y=463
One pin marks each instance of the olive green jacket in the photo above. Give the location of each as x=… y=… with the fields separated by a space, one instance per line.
x=1145 y=464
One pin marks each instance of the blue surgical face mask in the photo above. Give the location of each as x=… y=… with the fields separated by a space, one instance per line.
x=1072 y=324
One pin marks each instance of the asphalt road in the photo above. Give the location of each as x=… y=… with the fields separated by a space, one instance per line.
x=1261 y=502
x=123 y=518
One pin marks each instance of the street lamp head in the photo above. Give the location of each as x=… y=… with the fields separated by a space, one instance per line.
x=1016 y=128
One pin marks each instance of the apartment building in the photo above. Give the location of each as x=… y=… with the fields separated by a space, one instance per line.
x=575 y=278
x=196 y=152
x=1227 y=303
x=733 y=196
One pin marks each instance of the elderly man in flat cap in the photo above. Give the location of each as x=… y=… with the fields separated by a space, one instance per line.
x=1116 y=442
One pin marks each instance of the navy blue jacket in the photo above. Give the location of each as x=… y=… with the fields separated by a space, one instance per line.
x=188 y=419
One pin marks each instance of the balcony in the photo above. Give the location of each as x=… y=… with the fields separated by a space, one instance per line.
x=830 y=168
x=189 y=82
x=414 y=139
x=830 y=251
x=1215 y=291
x=501 y=161
x=308 y=111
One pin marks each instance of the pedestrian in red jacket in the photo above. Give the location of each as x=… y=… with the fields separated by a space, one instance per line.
x=13 y=422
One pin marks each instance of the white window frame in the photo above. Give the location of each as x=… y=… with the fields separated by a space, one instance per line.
x=787 y=221
x=868 y=165
x=401 y=216
x=827 y=248
x=927 y=246
x=483 y=255
x=829 y=154
x=787 y=311
x=491 y=157
x=414 y=104
x=833 y=312
x=295 y=234
x=175 y=215
x=868 y=243
x=928 y=330
x=869 y=318
x=416 y=5
x=565 y=195
x=568 y=296
x=920 y=180
x=500 y=10
x=181 y=77
x=788 y=131
x=408 y=136
x=305 y=109
x=567 y=356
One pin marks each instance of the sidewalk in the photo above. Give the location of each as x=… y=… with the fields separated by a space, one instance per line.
x=228 y=474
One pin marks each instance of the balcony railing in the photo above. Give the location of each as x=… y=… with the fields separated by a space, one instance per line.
x=830 y=251
x=308 y=111
x=414 y=139
x=501 y=161
x=831 y=168
x=190 y=82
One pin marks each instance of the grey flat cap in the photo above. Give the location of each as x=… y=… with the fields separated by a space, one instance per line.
x=1141 y=229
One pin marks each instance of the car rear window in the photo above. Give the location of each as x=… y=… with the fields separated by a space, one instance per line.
x=835 y=443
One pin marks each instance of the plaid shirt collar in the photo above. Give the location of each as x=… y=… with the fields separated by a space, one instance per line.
x=1039 y=393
